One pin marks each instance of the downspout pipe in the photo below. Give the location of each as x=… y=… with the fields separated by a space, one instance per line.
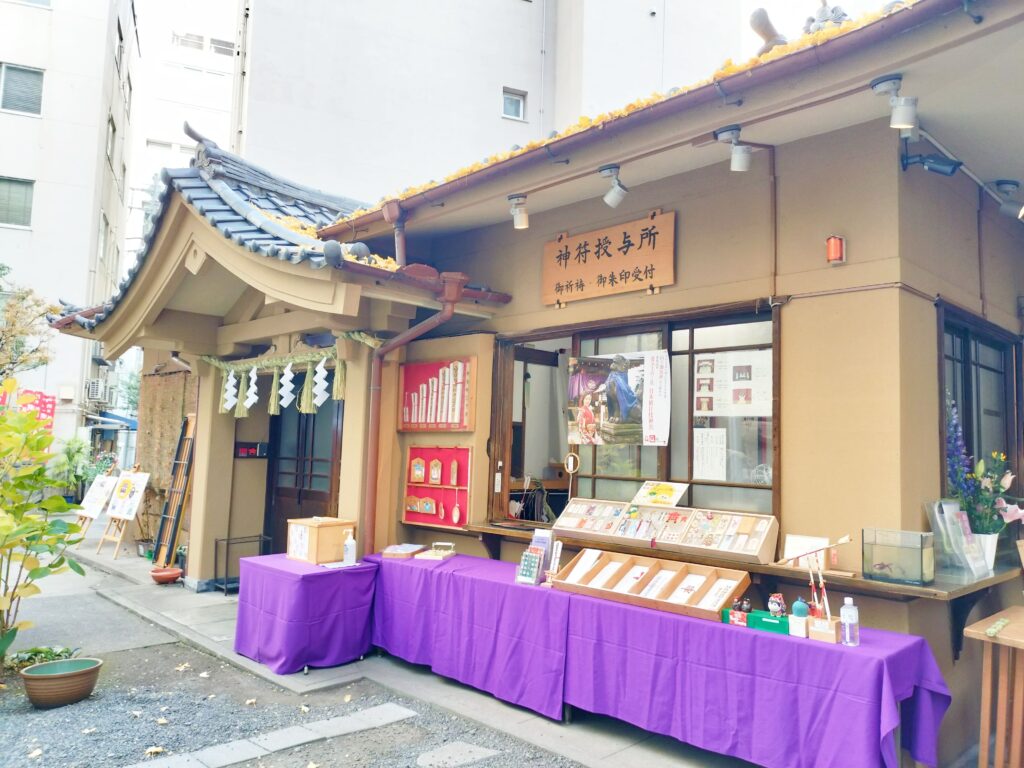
x=452 y=284
x=394 y=215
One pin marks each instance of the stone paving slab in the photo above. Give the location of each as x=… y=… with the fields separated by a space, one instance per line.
x=453 y=755
x=286 y=738
x=230 y=753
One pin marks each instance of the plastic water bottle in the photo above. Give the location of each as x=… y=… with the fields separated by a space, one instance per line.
x=350 y=550
x=849 y=619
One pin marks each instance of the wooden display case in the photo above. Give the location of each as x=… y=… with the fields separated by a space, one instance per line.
x=437 y=396
x=318 y=540
x=616 y=576
x=429 y=497
x=739 y=536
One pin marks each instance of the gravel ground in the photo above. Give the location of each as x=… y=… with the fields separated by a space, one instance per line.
x=140 y=688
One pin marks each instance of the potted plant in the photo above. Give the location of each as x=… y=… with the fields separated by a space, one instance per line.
x=33 y=545
x=980 y=488
x=69 y=466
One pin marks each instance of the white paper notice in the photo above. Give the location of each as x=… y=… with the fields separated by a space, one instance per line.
x=709 y=454
x=298 y=541
x=733 y=383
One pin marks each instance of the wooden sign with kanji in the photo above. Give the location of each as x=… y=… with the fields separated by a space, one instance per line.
x=635 y=256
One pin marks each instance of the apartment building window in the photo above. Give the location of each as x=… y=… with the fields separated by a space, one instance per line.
x=513 y=104
x=111 y=139
x=223 y=47
x=21 y=89
x=101 y=241
x=16 y=202
x=188 y=41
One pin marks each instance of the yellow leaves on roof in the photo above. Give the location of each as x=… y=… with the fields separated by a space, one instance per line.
x=728 y=69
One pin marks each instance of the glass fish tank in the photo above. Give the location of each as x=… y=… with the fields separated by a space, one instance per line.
x=900 y=557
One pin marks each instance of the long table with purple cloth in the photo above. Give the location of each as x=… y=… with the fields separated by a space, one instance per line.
x=771 y=699
x=292 y=614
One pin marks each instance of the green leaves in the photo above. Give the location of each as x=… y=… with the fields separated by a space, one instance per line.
x=74 y=566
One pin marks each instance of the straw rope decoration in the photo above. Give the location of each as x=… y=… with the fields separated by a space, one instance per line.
x=242 y=370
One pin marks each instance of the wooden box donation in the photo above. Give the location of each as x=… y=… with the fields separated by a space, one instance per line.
x=744 y=537
x=318 y=540
x=665 y=585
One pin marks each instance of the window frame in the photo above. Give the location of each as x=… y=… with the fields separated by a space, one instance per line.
x=111 y=145
x=518 y=94
x=499 y=444
x=974 y=328
x=4 y=66
x=31 y=206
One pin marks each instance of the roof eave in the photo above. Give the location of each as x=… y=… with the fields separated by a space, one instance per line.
x=899 y=21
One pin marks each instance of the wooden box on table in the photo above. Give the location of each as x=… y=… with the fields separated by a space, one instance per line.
x=318 y=540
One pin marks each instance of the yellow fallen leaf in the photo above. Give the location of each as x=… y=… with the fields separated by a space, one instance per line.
x=250 y=702
x=155 y=751
x=304 y=709
x=348 y=698
x=164 y=709
x=136 y=713
x=162 y=721
x=3 y=687
x=313 y=765
x=88 y=730
x=204 y=674
x=211 y=696
x=182 y=667
x=35 y=753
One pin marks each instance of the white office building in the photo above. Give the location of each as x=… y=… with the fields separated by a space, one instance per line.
x=66 y=87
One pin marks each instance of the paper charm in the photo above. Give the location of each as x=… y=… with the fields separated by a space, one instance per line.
x=230 y=391
x=251 y=395
x=320 y=393
x=286 y=391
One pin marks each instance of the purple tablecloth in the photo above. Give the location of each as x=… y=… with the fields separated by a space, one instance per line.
x=771 y=699
x=292 y=614
x=468 y=620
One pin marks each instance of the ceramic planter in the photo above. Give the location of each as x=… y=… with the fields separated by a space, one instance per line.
x=165 y=575
x=56 y=683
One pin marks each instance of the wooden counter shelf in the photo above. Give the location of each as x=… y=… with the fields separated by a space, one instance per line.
x=958 y=589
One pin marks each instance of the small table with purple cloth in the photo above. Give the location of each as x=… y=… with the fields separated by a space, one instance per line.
x=292 y=614
x=771 y=699
x=467 y=619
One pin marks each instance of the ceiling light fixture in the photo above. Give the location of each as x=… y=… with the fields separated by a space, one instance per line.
x=618 y=190
x=1007 y=189
x=520 y=216
x=740 y=158
x=904 y=108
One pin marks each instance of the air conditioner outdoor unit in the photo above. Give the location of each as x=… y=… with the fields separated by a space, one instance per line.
x=96 y=390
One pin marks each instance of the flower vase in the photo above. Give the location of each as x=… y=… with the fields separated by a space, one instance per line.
x=989 y=542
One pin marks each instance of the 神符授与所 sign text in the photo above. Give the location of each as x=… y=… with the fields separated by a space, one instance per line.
x=633 y=256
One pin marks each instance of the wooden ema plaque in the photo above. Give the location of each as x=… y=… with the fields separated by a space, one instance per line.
x=635 y=256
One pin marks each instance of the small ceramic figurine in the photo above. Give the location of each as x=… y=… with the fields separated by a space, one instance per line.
x=777 y=604
x=745 y=606
x=800 y=608
x=742 y=605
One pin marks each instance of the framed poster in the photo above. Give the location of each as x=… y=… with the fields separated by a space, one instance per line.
x=127 y=495
x=733 y=383
x=437 y=396
x=97 y=496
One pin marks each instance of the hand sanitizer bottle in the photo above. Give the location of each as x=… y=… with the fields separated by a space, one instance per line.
x=849 y=619
x=350 y=550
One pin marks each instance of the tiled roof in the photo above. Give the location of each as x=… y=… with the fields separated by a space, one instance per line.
x=261 y=212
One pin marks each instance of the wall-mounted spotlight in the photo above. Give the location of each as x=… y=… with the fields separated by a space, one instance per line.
x=835 y=250
x=904 y=108
x=739 y=160
x=1007 y=189
x=520 y=216
x=935 y=163
x=618 y=190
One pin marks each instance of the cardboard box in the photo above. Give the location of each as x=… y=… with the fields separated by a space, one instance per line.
x=318 y=540
x=798 y=626
x=824 y=630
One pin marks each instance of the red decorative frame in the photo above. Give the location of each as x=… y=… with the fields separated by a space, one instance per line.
x=444 y=493
x=414 y=385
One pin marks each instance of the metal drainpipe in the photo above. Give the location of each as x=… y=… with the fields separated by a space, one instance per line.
x=452 y=284
x=395 y=216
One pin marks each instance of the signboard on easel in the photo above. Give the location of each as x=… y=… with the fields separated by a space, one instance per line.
x=97 y=496
x=123 y=507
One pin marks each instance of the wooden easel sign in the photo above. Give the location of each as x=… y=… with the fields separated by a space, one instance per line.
x=123 y=506
x=95 y=500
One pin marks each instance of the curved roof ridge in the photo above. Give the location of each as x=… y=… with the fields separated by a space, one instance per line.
x=219 y=162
